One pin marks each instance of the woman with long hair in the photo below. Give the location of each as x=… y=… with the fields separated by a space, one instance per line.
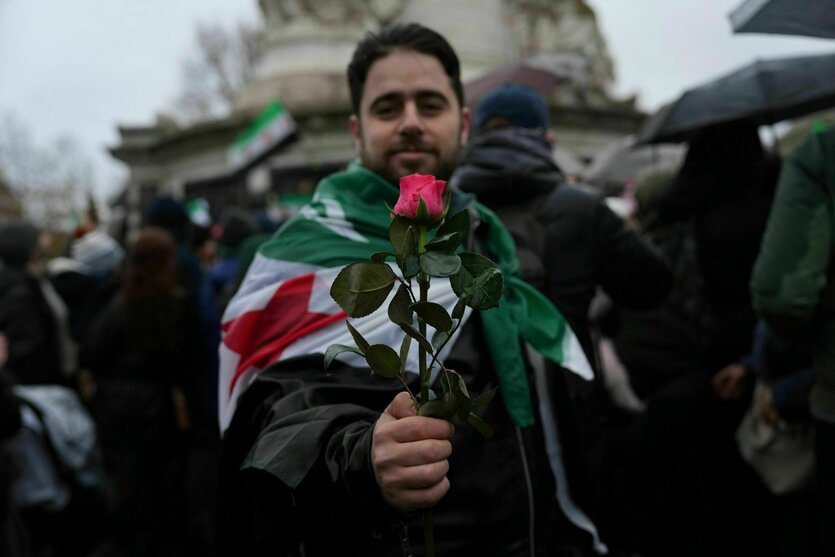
x=145 y=354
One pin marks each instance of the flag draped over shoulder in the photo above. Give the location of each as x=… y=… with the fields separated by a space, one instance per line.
x=283 y=308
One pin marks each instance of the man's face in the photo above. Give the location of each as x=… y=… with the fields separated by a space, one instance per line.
x=410 y=120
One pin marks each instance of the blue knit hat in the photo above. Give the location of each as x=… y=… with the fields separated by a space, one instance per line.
x=521 y=106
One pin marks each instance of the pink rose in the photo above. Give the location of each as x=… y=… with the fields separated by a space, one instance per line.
x=415 y=187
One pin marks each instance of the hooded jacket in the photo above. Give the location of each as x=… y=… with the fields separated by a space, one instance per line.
x=568 y=241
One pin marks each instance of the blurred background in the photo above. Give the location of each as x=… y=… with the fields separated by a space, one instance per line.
x=244 y=102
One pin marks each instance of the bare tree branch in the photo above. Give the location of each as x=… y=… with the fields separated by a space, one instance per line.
x=214 y=74
x=50 y=182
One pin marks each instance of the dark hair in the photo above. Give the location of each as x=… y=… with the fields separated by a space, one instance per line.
x=402 y=36
x=150 y=291
x=18 y=242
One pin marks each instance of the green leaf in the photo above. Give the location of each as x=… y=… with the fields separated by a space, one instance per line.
x=399 y=308
x=458 y=310
x=446 y=243
x=358 y=338
x=487 y=290
x=438 y=339
x=404 y=353
x=480 y=425
x=479 y=282
x=459 y=222
x=380 y=257
x=335 y=350
x=383 y=360
x=459 y=392
x=397 y=233
x=442 y=408
x=361 y=288
x=433 y=314
x=412 y=332
x=437 y=264
x=410 y=266
x=407 y=253
x=483 y=399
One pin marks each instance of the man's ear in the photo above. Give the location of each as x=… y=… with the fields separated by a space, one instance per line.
x=465 y=125
x=356 y=130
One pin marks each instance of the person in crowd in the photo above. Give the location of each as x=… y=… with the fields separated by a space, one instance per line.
x=574 y=243
x=792 y=290
x=204 y=451
x=307 y=452
x=680 y=463
x=33 y=317
x=240 y=236
x=14 y=540
x=88 y=278
x=145 y=353
x=170 y=215
x=569 y=242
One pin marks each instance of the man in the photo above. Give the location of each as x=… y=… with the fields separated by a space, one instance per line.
x=574 y=243
x=570 y=244
x=338 y=463
x=793 y=291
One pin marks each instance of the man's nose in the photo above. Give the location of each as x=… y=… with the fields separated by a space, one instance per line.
x=411 y=123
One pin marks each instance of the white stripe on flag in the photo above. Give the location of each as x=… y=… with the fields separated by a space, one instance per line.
x=259 y=287
x=574 y=357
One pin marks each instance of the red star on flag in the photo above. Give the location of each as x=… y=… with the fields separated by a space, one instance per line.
x=260 y=336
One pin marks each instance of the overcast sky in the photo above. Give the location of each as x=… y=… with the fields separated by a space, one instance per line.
x=81 y=67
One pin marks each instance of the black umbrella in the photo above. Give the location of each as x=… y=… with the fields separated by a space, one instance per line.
x=764 y=92
x=813 y=18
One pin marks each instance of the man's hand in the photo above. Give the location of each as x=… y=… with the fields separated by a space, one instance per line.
x=409 y=455
x=729 y=382
x=765 y=407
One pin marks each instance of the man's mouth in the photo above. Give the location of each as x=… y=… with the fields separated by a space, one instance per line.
x=411 y=154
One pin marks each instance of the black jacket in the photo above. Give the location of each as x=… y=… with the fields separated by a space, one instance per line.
x=569 y=242
x=32 y=331
x=326 y=496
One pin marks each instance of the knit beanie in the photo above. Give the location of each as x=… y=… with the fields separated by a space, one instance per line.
x=98 y=251
x=18 y=242
x=237 y=225
x=521 y=106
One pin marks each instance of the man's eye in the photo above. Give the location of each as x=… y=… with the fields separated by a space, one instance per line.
x=387 y=109
x=432 y=107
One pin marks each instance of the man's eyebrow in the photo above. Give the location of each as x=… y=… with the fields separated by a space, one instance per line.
x=388 y=97
x=431 y=94
x=425 y=94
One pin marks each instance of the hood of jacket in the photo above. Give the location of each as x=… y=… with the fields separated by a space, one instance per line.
x=507 y=166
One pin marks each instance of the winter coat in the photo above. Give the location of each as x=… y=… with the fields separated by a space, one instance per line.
x=792 y=286
x=501 y=489
x=27 y=320
x=145 y=391
x=568 y=241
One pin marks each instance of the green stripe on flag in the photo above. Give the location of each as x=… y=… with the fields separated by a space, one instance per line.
x=273 y=110
x=348 y=220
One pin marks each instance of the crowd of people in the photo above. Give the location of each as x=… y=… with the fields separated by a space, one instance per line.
x=165 y=394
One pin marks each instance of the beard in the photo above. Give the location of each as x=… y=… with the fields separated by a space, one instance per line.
x=442 y=168
x=441 y=164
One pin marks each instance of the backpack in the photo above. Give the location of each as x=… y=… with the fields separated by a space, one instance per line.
x=60 y=474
